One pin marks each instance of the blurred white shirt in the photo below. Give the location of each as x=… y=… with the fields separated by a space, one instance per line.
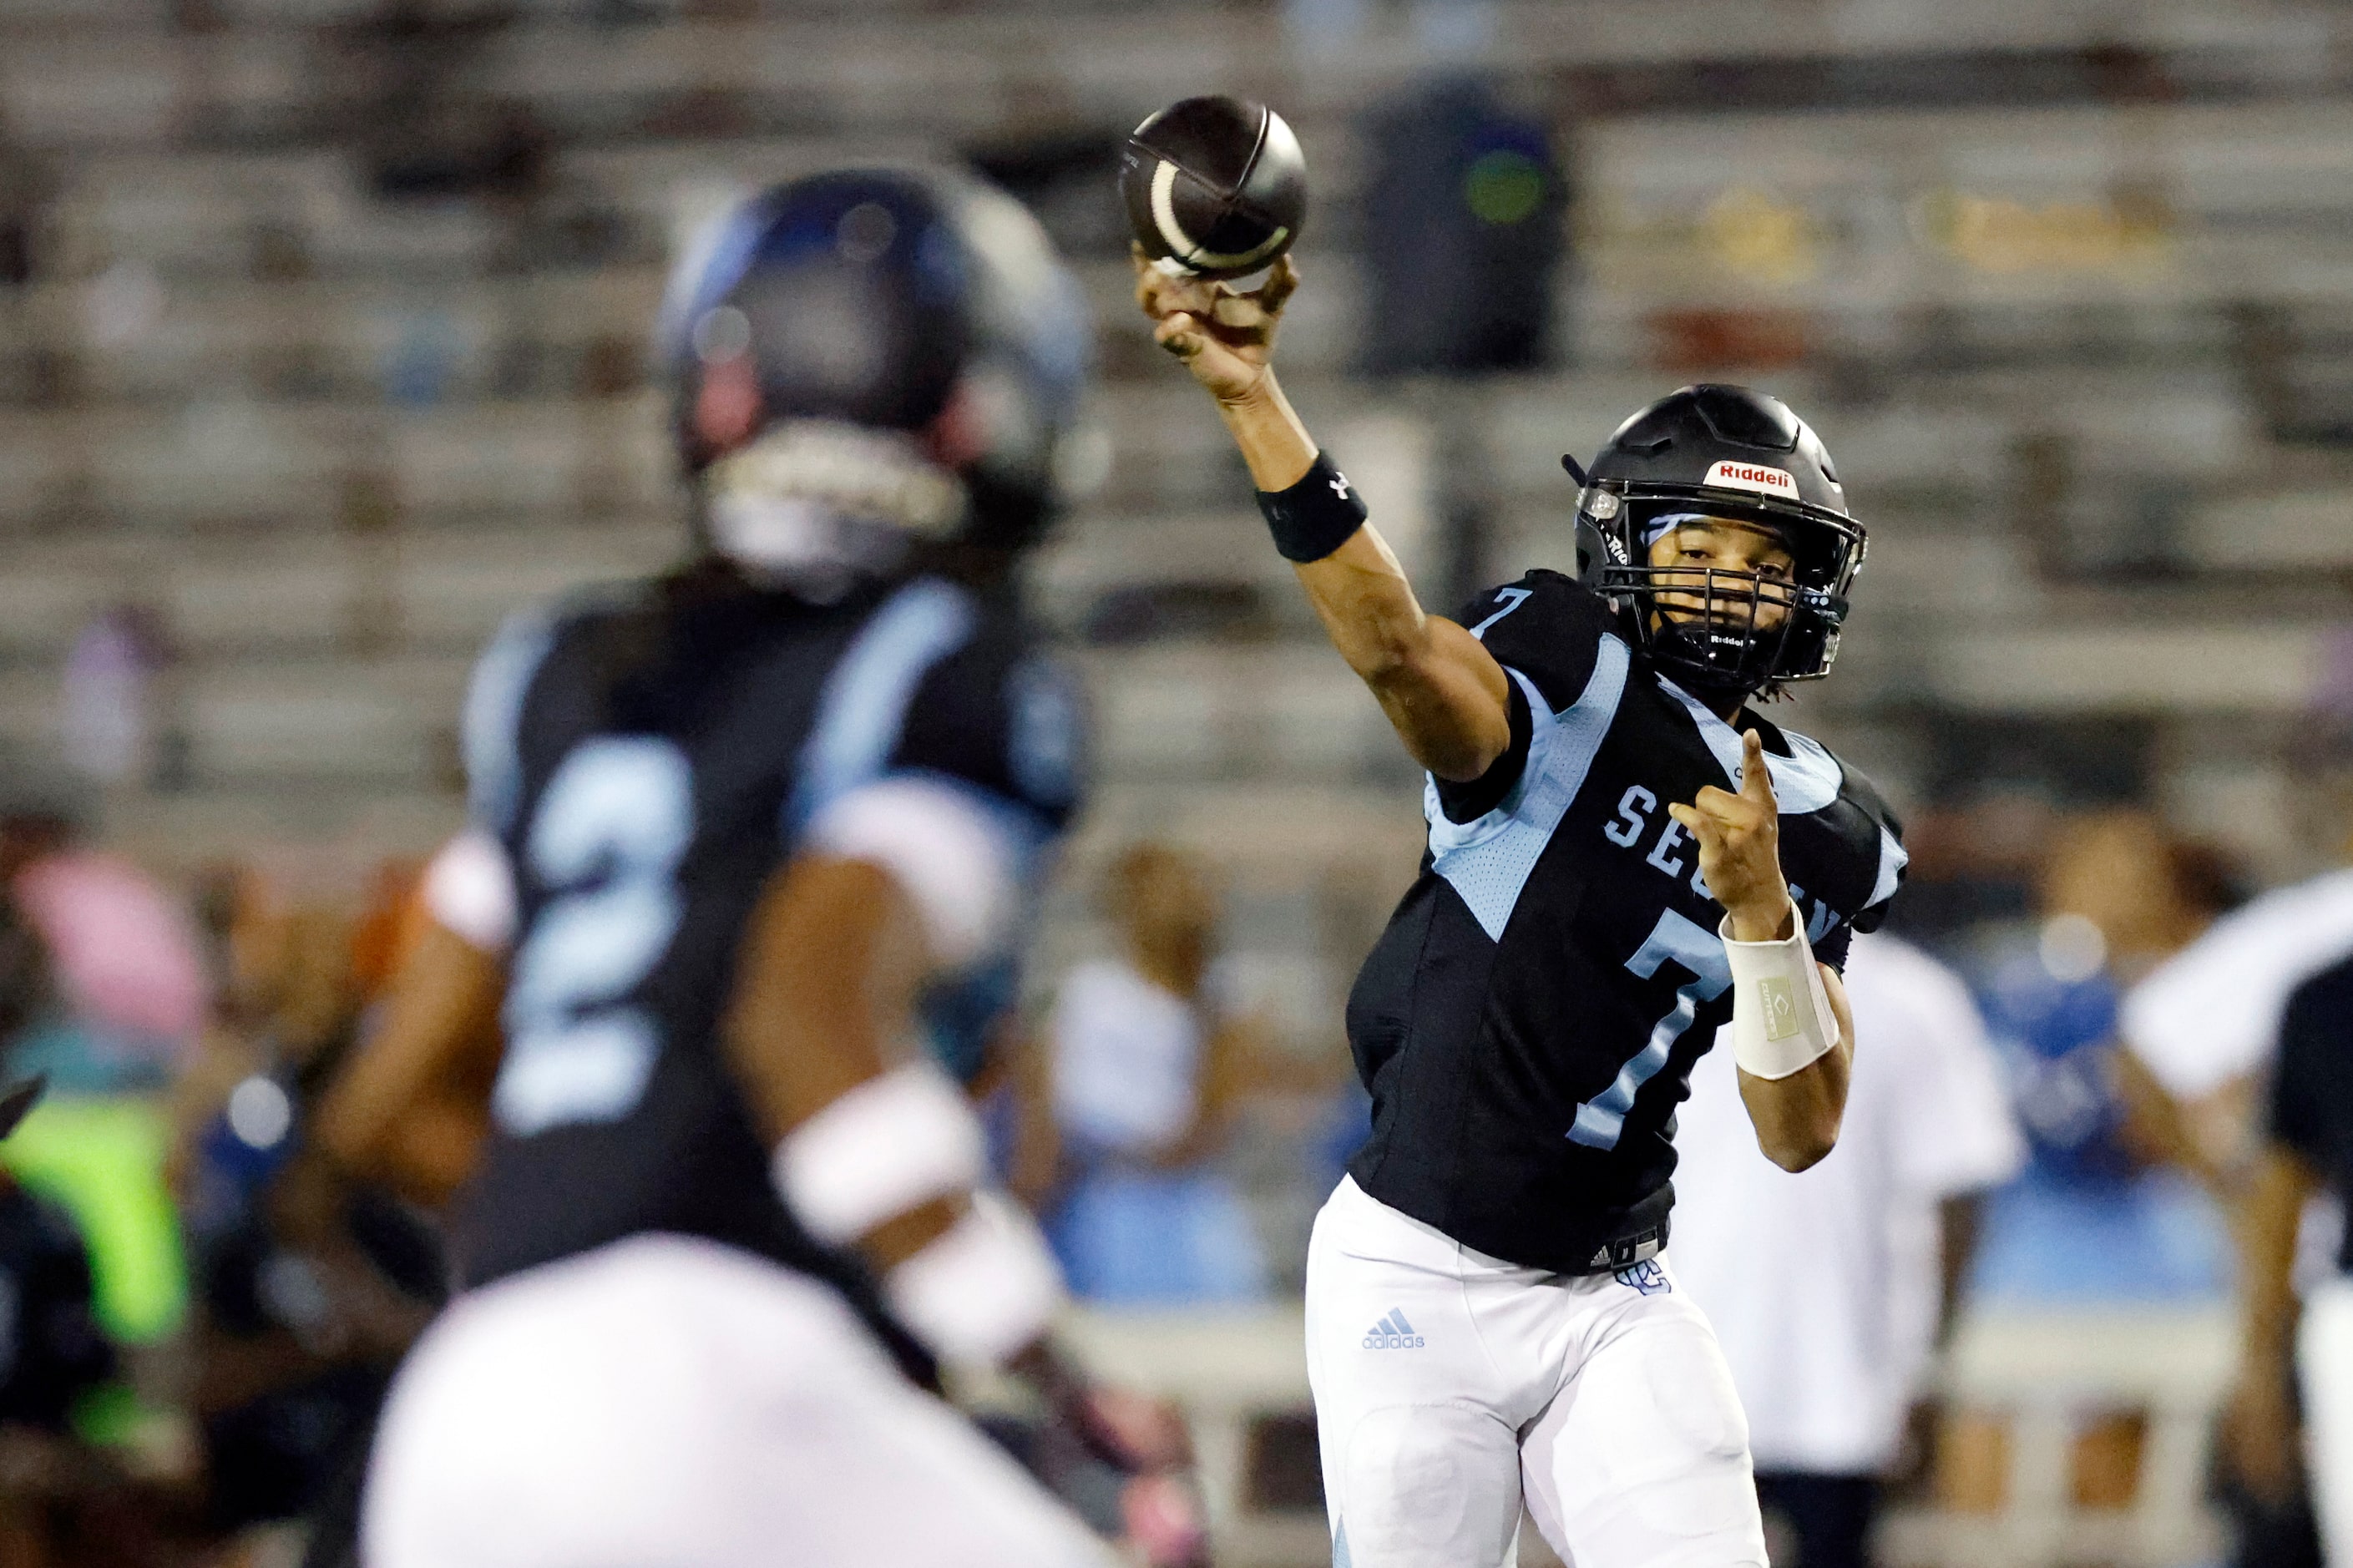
x=1127 y=1059
x=2211 y=1012
x=1823 y=1286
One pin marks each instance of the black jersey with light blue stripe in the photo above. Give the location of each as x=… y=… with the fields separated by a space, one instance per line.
x=1528 y=1022
x=648 y=758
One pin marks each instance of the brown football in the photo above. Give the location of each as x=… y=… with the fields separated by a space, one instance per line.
x=1214 y=186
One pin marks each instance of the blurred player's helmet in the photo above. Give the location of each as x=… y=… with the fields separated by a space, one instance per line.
x=1722 y=452
x=866 y=361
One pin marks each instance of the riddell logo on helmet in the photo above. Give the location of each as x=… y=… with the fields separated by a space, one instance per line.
x=1750 y=476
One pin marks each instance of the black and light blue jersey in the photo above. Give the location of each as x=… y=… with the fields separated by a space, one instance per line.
x=649 y=759
x=1528 y=1022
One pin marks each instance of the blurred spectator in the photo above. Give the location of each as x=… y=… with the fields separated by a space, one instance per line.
x=62 y=1500
x=2200 y=1033
x=2307 y=1147
x=2118 y=893
x=2203 y=1026
x=110 y=730
x=308 y=1287
x=57 y=1355
x=1144 y=1067
x=129 y=983
x=422 y=360
x=2099 y=1215
x=25 y=190
x=1831 y=1289
x=121 y=1010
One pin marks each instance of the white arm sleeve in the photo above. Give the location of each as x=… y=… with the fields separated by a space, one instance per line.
x=955 y=860
x=469 y=890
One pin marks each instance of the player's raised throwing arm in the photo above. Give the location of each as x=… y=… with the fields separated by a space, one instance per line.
x=1445 y=694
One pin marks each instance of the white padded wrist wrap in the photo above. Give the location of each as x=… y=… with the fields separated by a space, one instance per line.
x=890 y=1144
x=982 y=1291
x=1781 y=1017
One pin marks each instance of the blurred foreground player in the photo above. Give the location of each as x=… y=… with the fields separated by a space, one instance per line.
x=729 y=828
x=1489 y=1317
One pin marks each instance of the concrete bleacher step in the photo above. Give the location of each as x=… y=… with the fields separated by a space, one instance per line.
x=357 y=345
x=388 y=722
x=235 y=455
x=108 y=80
x=1290 y=710
x=309 y=721
x=2182 y=667
x=442 y=589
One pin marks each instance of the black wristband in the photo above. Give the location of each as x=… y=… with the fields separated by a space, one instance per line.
x=1315 y=516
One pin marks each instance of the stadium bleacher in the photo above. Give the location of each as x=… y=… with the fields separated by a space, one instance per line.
x=2095 y=266
x=2098 y=275
x=329 y=361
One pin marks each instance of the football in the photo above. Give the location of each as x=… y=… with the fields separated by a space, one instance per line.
x=1214 y=186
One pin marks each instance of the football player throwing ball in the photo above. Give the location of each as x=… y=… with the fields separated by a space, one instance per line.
x=1625 y=860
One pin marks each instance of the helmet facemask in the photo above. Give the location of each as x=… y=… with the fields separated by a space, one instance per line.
x=1716 y=629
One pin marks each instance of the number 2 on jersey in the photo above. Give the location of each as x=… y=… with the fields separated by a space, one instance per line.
x=606 y=841
x=1602 y=1119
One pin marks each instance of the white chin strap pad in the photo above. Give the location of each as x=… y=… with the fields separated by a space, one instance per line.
x=1781 y=1017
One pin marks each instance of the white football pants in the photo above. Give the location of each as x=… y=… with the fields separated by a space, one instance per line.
x=1451 y=1386
x=665 y=1400
x=2324 y=1357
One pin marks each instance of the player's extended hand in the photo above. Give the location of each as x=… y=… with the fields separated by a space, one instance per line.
x=1224 y=337
x=1740 y=848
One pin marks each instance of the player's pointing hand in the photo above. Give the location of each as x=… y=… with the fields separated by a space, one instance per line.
x=1740 y=848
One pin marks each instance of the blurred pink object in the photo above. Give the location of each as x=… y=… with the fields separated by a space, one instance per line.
x=122 y=950
x=1163 y=1523
x=1140 y=1431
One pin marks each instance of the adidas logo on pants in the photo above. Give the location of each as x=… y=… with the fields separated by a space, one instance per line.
x=1392 y=1333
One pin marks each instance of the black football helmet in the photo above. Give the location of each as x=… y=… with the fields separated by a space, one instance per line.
x=1720 y=452
x=868 y=361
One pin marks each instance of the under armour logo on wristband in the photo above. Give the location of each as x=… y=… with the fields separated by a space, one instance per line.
x=1307 y=527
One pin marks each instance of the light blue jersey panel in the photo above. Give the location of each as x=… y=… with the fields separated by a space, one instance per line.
x=1488 y=859
x=863 y=709
x=1807 y=780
